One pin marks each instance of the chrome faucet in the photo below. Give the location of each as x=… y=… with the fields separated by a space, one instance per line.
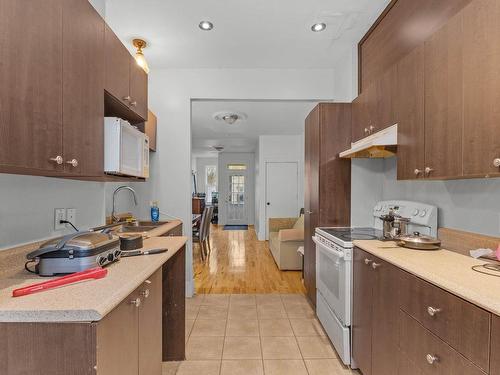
x=113 y=216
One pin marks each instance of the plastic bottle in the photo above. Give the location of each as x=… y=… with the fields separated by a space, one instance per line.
x=155 y=212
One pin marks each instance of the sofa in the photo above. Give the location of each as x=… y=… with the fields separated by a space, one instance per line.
x=286 y=235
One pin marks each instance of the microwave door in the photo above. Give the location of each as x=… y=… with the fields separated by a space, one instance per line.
x=131 y=152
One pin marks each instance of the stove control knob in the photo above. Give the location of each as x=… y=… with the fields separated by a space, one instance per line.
x=416 y=212
x=423 y=213
x=111 y=257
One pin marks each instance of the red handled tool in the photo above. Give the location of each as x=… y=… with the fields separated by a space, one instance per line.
x=93 y=273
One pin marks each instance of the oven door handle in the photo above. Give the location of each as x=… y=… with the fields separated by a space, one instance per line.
x=338 y=254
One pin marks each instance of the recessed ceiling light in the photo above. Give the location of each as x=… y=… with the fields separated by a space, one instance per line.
x=229 y=118
x=206 y=25
x=317 y=27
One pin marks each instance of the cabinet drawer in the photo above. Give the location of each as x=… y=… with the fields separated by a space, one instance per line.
x=459 y=323
x=427 y=353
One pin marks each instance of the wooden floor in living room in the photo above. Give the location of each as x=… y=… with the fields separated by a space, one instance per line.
x=240 y=263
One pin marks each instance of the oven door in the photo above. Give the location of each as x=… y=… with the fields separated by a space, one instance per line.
x=333 y=277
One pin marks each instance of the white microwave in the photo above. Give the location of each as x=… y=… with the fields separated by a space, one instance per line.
x=126 y=149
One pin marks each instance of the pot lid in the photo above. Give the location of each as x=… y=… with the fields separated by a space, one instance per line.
x=418 y=238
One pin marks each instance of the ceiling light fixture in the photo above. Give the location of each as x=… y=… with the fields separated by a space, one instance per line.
x=317 y=27
x=230 y=118
x=206 y=25
x=139 y=44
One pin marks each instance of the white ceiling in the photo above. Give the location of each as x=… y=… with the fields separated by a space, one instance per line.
x=247 y=33
x=264 y=118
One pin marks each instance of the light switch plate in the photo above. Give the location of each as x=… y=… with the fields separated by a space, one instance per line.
x=71 y=215
x=59 y=214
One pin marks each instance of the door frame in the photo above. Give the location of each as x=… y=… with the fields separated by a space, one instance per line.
x=266 y=191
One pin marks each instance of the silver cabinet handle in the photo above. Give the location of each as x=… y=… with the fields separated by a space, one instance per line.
x=372 y=128
x=145 y=293
x=432 y=311
x=375 y=265
x=309 y=212
x=417 y=172
x=134 y=103
x=366 y=130
x=147 y=281
x=136 y=302
x=58 y=160
x=368 y=261
x=431 y=359
x=73 y=163
x=428 y=170
x=496 y=162
x=127 y=98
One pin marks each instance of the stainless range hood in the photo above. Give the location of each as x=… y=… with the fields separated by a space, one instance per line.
x=382 y=144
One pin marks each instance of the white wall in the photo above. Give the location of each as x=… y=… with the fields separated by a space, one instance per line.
x=248 y=159
x=201 y=175
x=277 y=148
x=27 y=206
x=170 y=94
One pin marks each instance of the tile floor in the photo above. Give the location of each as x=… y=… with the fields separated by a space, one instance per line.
x=254 y=334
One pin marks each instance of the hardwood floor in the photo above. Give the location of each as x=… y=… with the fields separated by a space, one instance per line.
x=239 y=263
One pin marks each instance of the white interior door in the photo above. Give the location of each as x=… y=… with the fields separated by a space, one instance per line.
x=237 y=206
x=281 y=191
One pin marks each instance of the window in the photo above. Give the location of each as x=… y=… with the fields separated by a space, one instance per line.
x=237 y=167
x=210 y=182
x=237 y=189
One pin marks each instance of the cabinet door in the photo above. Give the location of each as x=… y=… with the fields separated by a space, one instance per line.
x=83 y=88
x=138 y=89
x=481 y=82
x=117 y=67
x=312 y=152
x=335 y=181
x=382 y=99
x=150 y=321
x=118 y=340
x=30 y=85
x=385 y=316
x=409 y=112
x=359 y=118
x=495 y=346
x=443 y=101
x=150 y=130
x=363 y=279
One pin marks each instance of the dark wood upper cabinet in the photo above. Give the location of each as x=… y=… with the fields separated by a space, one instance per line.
x=362 y=323
x=382 y=101
x=361 y=114
x=495 y=346
x=83 y=89
x=117 y=67
x=138 y=89
x=481 y=69
x=327 y=179
x=409 y=113
x=444 y=101
x=31 y=85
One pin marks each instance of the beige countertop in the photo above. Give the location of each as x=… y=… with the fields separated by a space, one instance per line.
x=86 y=301
x=445 y=269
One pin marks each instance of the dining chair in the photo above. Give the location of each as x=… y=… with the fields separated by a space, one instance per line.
x=199 y=235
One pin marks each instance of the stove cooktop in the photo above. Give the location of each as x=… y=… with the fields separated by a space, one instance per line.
x=348 y=234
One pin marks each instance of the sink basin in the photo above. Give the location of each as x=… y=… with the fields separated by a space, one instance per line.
x=143 y=226
x=151 y=223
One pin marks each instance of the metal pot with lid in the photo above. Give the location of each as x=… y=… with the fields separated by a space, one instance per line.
x=418 y=241
x=394 y=225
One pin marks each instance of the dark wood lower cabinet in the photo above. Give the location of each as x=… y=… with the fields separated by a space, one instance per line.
x=402 y=325
x=495 y=346
x=174 y=307
x=127 y=341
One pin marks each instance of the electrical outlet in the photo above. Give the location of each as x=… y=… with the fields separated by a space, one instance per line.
x=71 y=215
x=59 y=214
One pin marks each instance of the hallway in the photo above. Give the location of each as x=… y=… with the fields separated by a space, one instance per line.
x=239 y=263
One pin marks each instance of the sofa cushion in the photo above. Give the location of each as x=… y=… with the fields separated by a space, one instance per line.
x=291 y=235
x=299 y=224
